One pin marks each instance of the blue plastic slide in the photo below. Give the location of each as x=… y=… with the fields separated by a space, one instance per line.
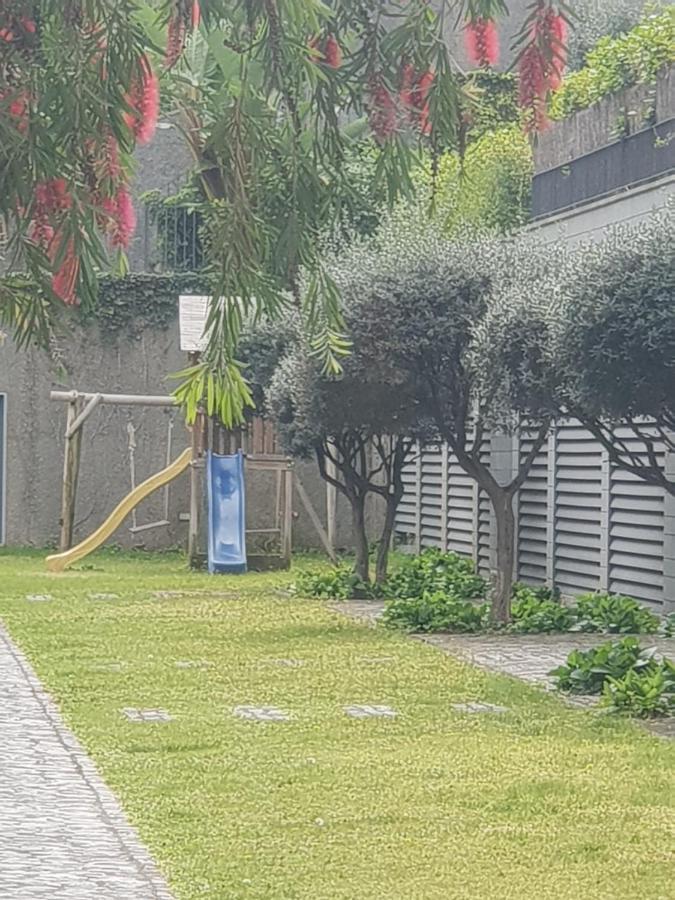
x=227 y=513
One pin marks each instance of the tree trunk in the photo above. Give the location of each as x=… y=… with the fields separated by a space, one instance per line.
x=361 y=566
x=385 y=539
x=502 y=504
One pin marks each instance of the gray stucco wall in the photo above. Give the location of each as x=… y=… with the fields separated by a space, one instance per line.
x=94 y=361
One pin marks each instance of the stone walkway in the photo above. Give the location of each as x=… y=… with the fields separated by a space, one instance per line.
x=63 y=835
x=528 y=657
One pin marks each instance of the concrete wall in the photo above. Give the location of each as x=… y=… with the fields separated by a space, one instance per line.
x=94 y=361
x=590 y=130
x=603 y=123
x=591 y=221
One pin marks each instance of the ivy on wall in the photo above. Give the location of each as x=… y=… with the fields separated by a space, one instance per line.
x=619 y=62
x=138 y=302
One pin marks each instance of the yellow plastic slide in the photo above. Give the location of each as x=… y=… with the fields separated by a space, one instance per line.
x=59 y=561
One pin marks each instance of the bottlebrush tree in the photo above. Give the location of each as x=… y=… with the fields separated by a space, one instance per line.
x=267 y=91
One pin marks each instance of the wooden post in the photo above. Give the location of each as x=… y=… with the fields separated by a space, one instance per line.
x=71 y=469
x=197 y=442
x=315 y=520
x=277 y=506
x=331 y=506
x=287 y=533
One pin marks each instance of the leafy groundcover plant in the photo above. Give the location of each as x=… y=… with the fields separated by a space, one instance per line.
x=614 y=614
x=586 y=671
x=438 y=591
x=437 y=611
x=645 y=693
x=538 y=611
x=341 y=583
x=631 y=679
x=436 y=572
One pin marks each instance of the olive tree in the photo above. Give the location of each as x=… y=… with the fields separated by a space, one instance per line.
x=361 y=427
x=615 y=342
x=455 y=316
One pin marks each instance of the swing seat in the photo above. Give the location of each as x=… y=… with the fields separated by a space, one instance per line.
x=162 y=523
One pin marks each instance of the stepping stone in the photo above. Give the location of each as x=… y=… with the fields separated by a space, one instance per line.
x=146 y=715
x=192 y=664
x=473 y=708
x=108 y=667
x=104 y=596
x=261 y=713
x=370 y=712
x=39 y=598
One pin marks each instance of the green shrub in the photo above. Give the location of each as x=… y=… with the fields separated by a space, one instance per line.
x=595 y=19
x=534 y=615
x=434 y=572
x=614 y=614
x=340 y=583
x=618 y=62
x=644 y=693
x=586 y=671
x=538 y=592
x=437 y=611
x=490 y=187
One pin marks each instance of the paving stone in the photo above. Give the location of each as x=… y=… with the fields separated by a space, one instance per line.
x=108 y=667
x=479 y=708
x=63 y=834
x=39 y=598
x=192 y=664
x=261 y=713
x=104 y=596
x=146 y=715
x=370 y=712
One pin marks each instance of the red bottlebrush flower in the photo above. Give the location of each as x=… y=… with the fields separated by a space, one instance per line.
x=144 y=98
x=533 y=87
x=121 y=223
x=6 y=34
x=64 y=280
x=175 y=41
x=420 y=101
x=422 y=88
x=557 y=31
x=18 y=110
x=407 y=85
x=52 y=196
x=196 y=15
x=482 y=41
x=41 y=233
x=106 y=159
x=382 y=116
x=28 y=24
x=332 y=52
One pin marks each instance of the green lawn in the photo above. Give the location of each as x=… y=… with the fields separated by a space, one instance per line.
x=543 y=802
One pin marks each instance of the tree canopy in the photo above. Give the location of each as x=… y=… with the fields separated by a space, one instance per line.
x=615 y=342
x=264 y=89
x=457 y=320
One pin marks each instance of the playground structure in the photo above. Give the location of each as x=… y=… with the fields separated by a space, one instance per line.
x=220 y=455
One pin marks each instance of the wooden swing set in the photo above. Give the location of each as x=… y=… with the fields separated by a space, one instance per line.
x=258 y=443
